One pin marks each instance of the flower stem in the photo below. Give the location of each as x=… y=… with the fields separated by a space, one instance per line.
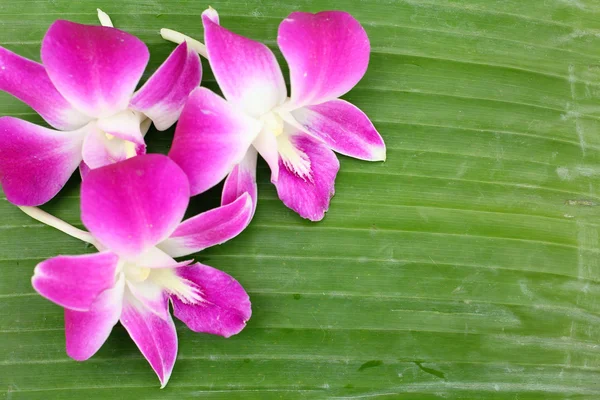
x=57 y=223
x=104 y=18
x=177 y=37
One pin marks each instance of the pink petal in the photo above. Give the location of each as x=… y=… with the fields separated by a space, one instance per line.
x=308 y=188
x=135 y=204
x=155 y=337
x=247 y=71
x=210 y=139
x=29 y=82
x=226 y=306
x=74 y=282
x=344 y=128
x=162 y=97
x=100 y=150
x=124 y=125
x=35 y=162
x=210 y=228
x=86 y=331
x=242 y=179
x=95 y=68
x=327 y=52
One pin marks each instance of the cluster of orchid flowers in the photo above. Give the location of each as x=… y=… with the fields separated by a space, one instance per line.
x=133 y=203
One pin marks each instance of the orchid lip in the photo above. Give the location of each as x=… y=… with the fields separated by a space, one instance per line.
x=185 y=290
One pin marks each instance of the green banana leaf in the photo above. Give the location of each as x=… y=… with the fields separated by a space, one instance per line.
x=464 y=267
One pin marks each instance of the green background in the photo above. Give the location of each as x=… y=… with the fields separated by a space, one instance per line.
x=464 y=267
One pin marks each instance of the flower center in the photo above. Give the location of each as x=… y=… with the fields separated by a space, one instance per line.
x=273 y=123
x=187 y=291
x=160 y=279
x=114 y=143
x=135 y=273
x=294 y=158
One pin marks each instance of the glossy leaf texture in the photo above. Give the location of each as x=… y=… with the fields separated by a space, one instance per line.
x=467 y=266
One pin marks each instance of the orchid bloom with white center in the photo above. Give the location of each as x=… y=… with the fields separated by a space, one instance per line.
x=133 y=211
x=85 y=88
x=327 y=53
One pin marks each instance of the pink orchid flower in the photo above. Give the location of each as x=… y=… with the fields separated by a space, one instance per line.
x=327 y=53
x=133 y=211
x=85 y=88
